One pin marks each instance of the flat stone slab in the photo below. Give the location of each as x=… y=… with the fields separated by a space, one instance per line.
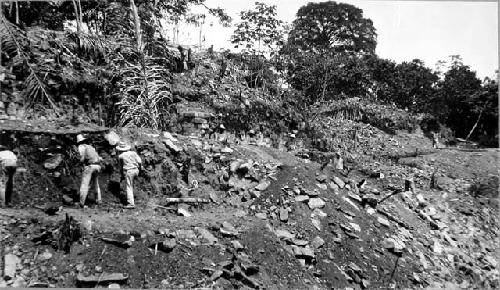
x=316 y=203
x=104 y=277
x=207 y=235
x=284 y=234
x=301 y=198
x=10 y=266
x=283 y=214
x=339 y=181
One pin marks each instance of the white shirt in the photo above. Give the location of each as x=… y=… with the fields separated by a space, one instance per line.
x=88 y=153
x=8 y=158
x=130 y=159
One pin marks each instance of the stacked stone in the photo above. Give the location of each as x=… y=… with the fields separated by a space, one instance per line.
x=10 y=100
x=195 y=123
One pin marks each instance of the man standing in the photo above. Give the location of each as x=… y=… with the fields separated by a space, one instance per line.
x=8 y=166
x=435 y=140
x=91 y=168
x=130 y=164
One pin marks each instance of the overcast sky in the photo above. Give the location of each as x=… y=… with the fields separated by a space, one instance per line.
x=428 y=30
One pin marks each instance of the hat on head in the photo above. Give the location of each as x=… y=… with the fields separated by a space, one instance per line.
x=80 y=138
x=122 y=146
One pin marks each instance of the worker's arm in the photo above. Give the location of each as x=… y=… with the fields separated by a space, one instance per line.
x=81 y=150
x=139 y=161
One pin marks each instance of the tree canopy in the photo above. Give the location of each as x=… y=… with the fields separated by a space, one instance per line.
x=332 y=27
x=258 y=29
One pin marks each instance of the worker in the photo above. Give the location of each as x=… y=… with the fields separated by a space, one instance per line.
x=91 y=168
x=435 y=140
x=8 y=166
x=130 y=164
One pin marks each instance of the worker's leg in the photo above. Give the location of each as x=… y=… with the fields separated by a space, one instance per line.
x=130 y=175
x=84 y=187
x=9 y=187
x=96 y=171
x=3 y=182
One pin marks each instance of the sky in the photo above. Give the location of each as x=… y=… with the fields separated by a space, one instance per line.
x=427 y=30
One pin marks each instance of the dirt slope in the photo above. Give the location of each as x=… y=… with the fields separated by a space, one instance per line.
x=273 y=220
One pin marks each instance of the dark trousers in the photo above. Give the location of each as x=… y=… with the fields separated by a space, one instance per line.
x=7 y=183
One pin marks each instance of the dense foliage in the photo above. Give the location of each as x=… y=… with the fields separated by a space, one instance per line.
x=330 y=56
x=328 y=27
x=258 y=30
x=114 y=69
x=116 y=66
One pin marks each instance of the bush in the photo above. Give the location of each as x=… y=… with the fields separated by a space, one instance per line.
x=385 y=117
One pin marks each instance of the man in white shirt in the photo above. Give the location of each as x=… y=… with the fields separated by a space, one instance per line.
x=91 y=168
x=130 y=164
x=8 y=167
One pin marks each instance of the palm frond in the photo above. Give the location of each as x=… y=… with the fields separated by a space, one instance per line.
x=11 y=37
x=35 y=91
x=98 y=44
x=145 y=95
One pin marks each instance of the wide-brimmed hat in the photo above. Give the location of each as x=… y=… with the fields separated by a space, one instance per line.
x=122 y=146
x=80 y=138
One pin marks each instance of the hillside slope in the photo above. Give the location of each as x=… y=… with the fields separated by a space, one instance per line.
x=272 y=219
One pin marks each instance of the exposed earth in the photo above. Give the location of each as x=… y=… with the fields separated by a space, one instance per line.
x=263 y=217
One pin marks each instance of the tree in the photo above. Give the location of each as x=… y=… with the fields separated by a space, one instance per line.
x=332 y=27
x=260 y=33
x=333 y=77
x=484 y=109
x=258 y=26
x=451 y=103
x=414 y=86
x=383 y=78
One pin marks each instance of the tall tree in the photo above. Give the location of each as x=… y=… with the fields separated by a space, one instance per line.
x=414 y=86
x=332 y=77
x=333 y=27
x=451 y=104
x=259 y=29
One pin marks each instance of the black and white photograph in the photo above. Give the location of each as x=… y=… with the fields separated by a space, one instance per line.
x=237 y=144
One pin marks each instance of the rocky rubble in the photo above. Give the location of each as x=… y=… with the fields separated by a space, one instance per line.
x=353 y=225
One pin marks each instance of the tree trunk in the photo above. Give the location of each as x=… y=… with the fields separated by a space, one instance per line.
x=477 y=121
x=1 y=17
x=80 y=11
x=77 y=18
x=17 y=12
x=323 y=91
x=201 y=31
x=103 y=21
x=137 y=25
x=140 y=49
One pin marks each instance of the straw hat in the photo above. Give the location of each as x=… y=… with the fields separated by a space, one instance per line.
x=122 y=146
x=80 y=138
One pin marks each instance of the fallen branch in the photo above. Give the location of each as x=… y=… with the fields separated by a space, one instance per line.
x=163 y=207
x=103 y=277
x=186 y=200
x=120 y=243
